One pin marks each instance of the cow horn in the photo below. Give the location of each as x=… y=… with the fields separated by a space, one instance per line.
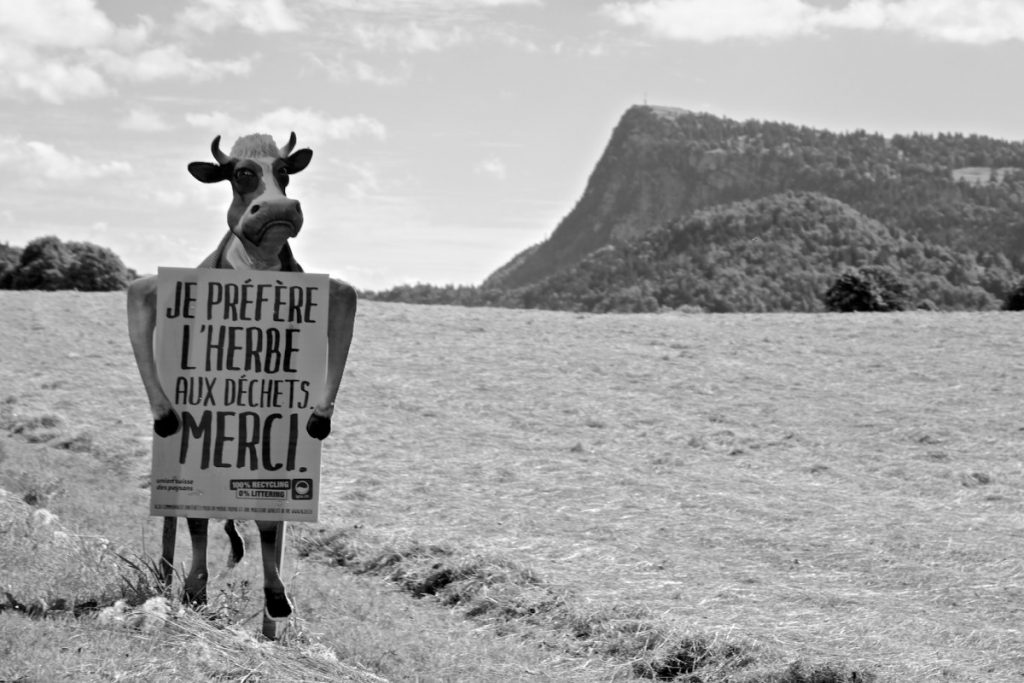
x=287 y=149
x=220 y=156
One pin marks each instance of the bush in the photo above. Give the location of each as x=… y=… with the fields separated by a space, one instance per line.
x=95 y=269
x=1014 y=300
x=869 y=288
x=50 y=264
x=10 y=257
x=44 y=265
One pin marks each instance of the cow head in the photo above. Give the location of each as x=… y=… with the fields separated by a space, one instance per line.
x=260 y=215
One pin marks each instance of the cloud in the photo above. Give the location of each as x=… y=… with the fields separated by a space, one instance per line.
x=51 y=80
x=258 y=16
x=493 y=167
x=366 y=73
x=356 y=70
x=56 y=23
x=708 y=21
x=144 y=121
x=364 y=182
x=309 y=126
x=63 y=50
x=169 y=61
x=56 y=165
x=409 y=37
x=170 y=198
x=398 y=6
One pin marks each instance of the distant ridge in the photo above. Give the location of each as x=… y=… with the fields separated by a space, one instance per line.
x=774 y=253
x=663 y=163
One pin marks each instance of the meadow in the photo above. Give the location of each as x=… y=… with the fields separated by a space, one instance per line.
x=533 y=495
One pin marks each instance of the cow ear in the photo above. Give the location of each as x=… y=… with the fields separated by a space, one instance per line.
x=206 y=172
x=298 y=161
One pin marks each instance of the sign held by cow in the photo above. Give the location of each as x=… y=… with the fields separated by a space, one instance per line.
x=242 y=355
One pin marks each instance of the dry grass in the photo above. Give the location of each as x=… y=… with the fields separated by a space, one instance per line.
x=811 y=488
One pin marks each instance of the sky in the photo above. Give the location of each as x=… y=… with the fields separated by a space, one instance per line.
x=448 y=135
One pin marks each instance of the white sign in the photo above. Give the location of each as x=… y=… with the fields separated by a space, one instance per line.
x=241 y=355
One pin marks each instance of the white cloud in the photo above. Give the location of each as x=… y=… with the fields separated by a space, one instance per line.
x=493 y=167
x=364 y=183
x=56 y=165
x=169 y=61
x=392 y=6
x=215 y=120
x=258 y=16
x=409 y=37
x=145 y=121
x=62 y=50
x=55 y=23
x=707 y=21
x=309 y=126
x=366 y=73
x=51 y=80
x=170 y=198
x=356 y=70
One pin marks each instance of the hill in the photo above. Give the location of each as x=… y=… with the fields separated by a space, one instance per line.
x=950 y=193
x=776 y=253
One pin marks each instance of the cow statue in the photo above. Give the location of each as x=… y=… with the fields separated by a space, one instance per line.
x=261 y=220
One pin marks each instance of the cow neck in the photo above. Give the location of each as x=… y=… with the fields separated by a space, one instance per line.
x=236 y=256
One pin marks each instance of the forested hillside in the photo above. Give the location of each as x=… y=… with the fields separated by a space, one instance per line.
x=777 y=253
x=959 y=198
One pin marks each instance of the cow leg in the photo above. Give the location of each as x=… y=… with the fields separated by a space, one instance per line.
x=195 y=582
x=141 y=324
x=237 y=543
x=168 y=540
x=272 y=548
x=340 y=324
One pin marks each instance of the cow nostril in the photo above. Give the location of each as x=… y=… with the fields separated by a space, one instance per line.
x=298 y=208
x=255 y=208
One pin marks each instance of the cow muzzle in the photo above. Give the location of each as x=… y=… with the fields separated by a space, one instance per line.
x=264 y=217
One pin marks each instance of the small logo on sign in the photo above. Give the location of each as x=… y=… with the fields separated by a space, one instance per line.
x=302 y=489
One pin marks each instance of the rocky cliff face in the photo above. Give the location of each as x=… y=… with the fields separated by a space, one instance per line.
x=627 y=194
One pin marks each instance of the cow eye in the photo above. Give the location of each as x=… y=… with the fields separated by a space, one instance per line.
x=282 y=171
x=246 y=180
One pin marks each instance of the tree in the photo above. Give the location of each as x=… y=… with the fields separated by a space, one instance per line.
x=50 y=264
x=1014 y=300
x=869 y=288
x=10 y=257
x=44 y=265
x=95 y=269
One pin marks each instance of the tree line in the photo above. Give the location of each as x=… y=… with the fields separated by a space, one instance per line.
x=48 y=263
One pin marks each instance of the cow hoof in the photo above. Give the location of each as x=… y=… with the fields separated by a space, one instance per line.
x=278 y=606
x=318 y=426
x=194 y=592
x=166 y=424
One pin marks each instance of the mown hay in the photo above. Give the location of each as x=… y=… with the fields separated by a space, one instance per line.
x=515 y=599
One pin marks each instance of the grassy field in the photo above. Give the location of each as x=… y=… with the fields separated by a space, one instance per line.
x=579 y=497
